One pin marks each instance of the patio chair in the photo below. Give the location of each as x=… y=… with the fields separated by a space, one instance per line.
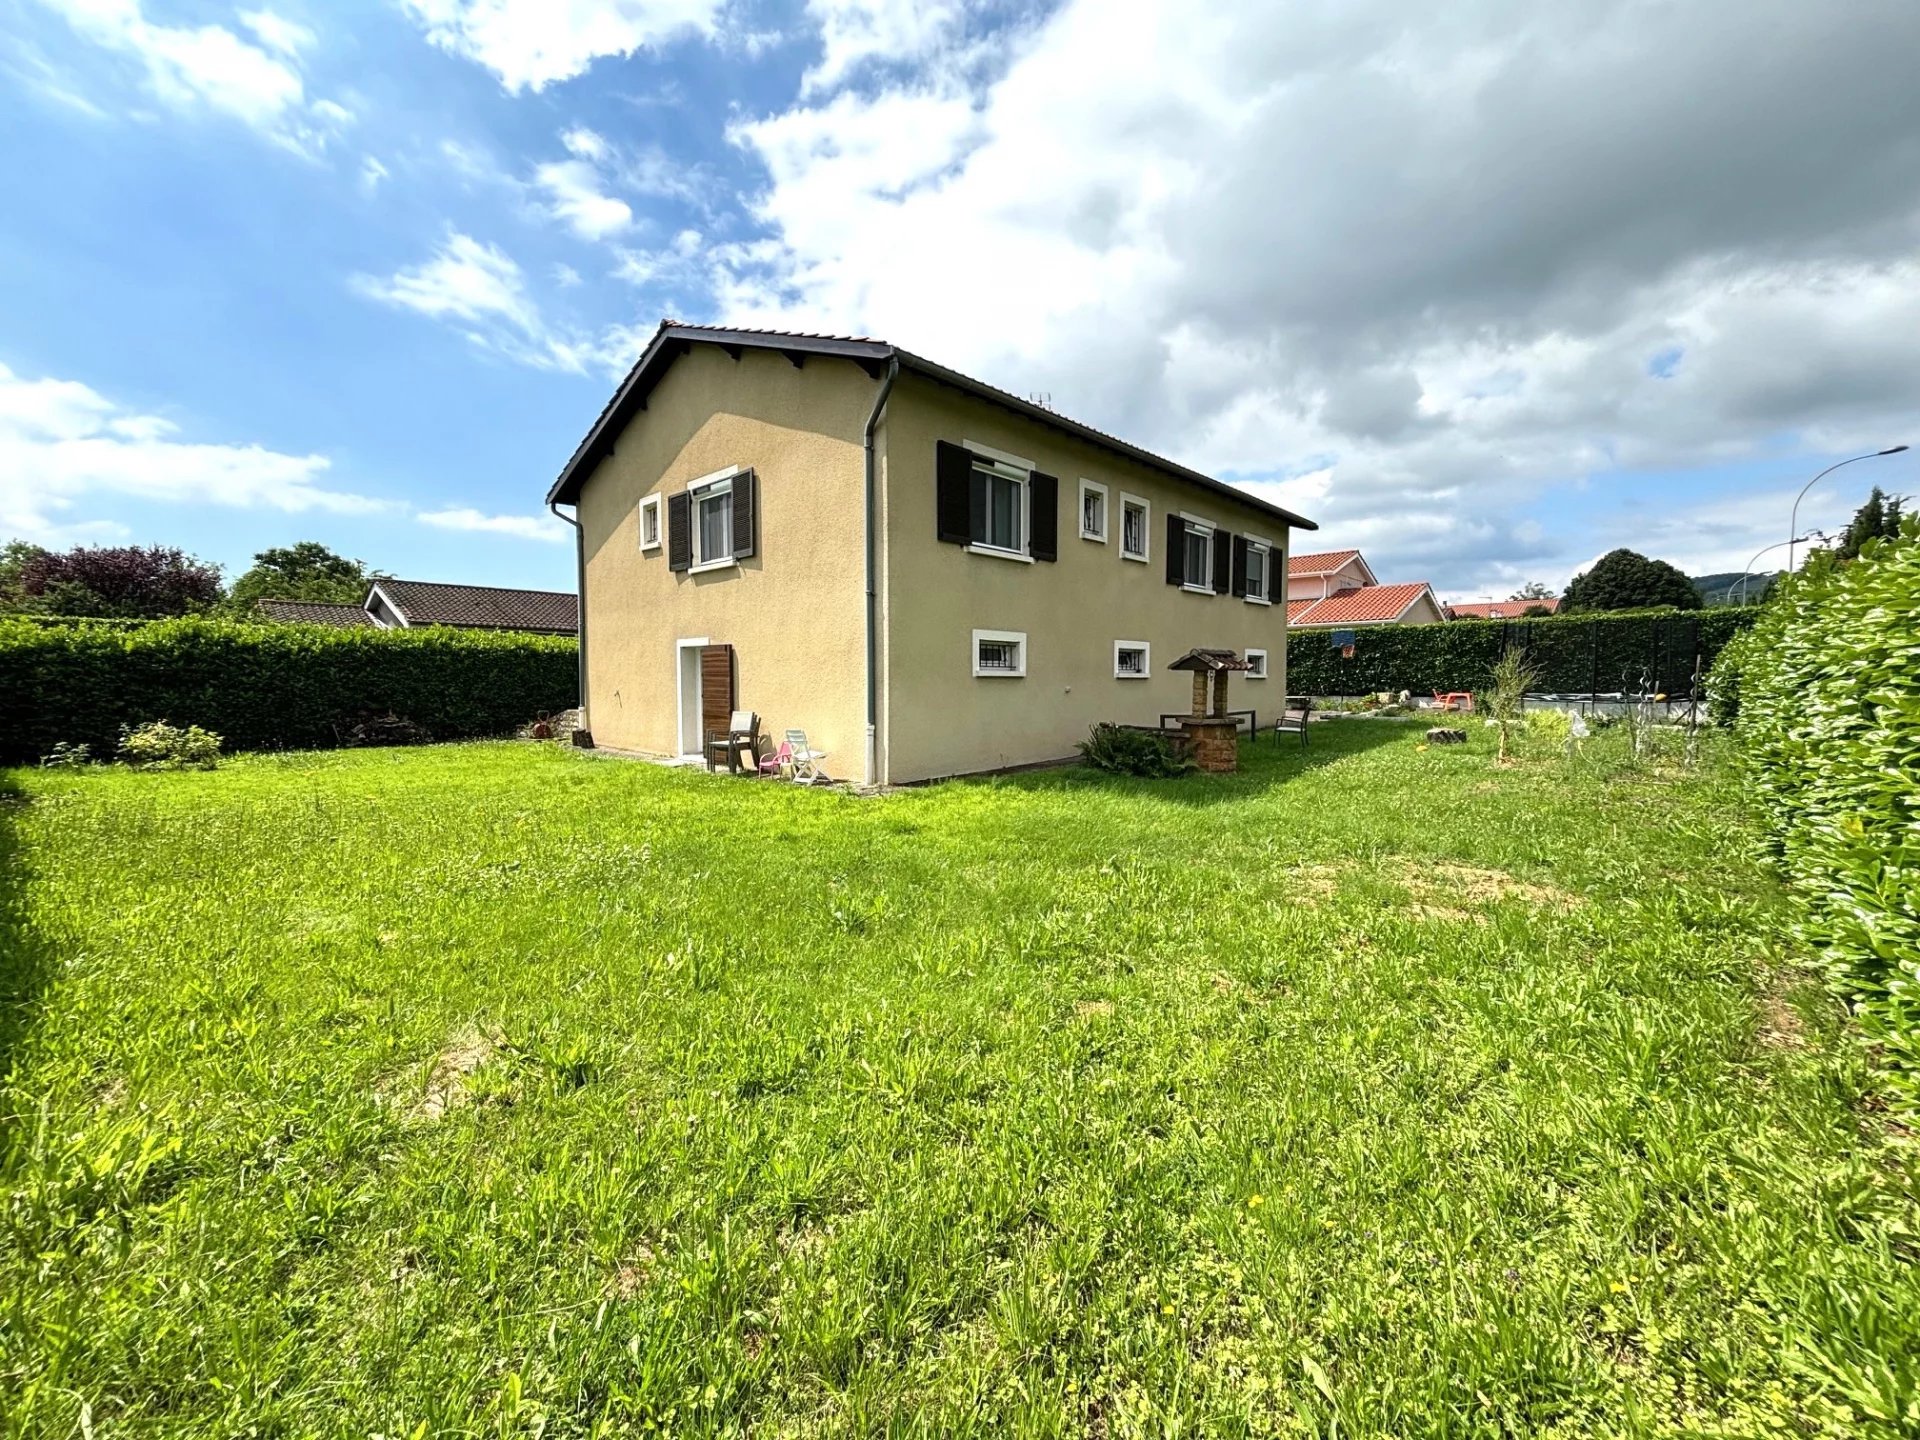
x=777 y=761
x=743 y=733
x=1293 y=718
x=805 y=760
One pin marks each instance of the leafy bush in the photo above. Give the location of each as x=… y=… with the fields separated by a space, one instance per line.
x=1573 y=653
x=64 y=756
x=266 y=686
x=1120 y=751
x=1829 y=717
x=160 y=746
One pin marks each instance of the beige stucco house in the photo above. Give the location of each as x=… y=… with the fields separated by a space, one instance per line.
x=929 y=576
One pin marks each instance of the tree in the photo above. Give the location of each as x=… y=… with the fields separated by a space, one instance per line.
x=15 y=555
x=1878 y=519
x=307 y=571
x=1628 y=580
x=1532 y=590
x=144 y=582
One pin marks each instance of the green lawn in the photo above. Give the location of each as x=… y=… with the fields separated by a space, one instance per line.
x=498 y=1089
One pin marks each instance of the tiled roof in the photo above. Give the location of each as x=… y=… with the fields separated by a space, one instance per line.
x=310 y=612
x=1324 y=563
x=1360 y=605
x=673 y=337
x=482 y=607
x=1501 y=609
x=1297 y=608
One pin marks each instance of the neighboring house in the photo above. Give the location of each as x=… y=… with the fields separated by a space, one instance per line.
x=311 y=612
x=929 y=575
x=1410 y=604
x=1501 y=609
x=1338 y=588
x=1318 y=575
x=404 y=604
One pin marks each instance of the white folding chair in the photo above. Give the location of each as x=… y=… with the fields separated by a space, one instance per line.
x=806 y=760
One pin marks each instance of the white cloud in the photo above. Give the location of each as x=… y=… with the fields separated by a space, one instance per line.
x=575 y=198
x=210 y=67
x=482 y=291
x=63 y=443
x=372 y=172
x=1428 y=269
x=526 y=527
x=530 y=44
x=277 y=33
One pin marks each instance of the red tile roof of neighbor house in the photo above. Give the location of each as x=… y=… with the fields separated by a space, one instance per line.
x=483 y=607
x=1359 y=605
x=1323 y=563
x=1501 y=609
x=674 y=337
x=312 y=612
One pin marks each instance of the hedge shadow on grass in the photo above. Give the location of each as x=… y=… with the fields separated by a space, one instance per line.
x=27 y=963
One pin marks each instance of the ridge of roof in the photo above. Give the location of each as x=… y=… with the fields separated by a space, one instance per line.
x=596 y=444
x=1300 y=564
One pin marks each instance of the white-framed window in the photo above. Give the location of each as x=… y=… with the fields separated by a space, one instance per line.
x=1132 y=659
x=1093 y=511
x=1136 y=527
x=650 y=523
x=999 y=652
x=1256 y=664
x=713 y=520
x=1259 y=570
x=997 y=502
x=1196 y=566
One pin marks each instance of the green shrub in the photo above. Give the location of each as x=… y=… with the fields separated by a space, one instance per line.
x=269 y=686
x=1573 y=654
x=1829 y=718
x=1120 y=751
x=160 y=746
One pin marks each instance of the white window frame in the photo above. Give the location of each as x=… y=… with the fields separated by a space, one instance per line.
x=1145 y=672
x=1262 y=672
x=1145 y=553
x=1018 y=469
x=1198 y=522
x=1094 y=487
x=1017 y=638
x=651 y=507
x=719 y=482
x=1266 y=548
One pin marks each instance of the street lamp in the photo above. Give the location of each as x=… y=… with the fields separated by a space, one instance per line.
x=1811 y=534
x=1793 y=525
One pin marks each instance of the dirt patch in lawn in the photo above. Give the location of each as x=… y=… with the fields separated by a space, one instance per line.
x=446 y=1084
x=1443 y=885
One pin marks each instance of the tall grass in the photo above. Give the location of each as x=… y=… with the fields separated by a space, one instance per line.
x=498 y=1090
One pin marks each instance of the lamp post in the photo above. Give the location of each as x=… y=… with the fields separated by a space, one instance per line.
x=1756 y=556
x=1793 y=525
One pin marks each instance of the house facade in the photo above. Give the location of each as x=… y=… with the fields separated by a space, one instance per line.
x=930 y=576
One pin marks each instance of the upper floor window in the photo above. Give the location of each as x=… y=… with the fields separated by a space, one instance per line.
x=1198 y=567
x=997 y=500
x=1093 y=511
x=713 y=523
x=994 y=503
x=650 y=523
x=1135 y=514
x=1259 y=570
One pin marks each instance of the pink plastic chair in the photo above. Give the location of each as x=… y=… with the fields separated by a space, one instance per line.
x=778 y=761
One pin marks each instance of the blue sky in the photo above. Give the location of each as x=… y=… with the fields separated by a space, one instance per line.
x=1486 y=296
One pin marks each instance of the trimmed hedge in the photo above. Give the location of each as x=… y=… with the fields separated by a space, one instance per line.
x=269 y=686
x=1573 y=653
x=1829 y=719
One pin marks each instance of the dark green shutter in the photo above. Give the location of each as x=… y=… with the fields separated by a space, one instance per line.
x=1240 y=565
x=1176 y=550
x=1222 y=561
x=953 y=471
x=680 y=531
x=1043 y=505
x=746 y=509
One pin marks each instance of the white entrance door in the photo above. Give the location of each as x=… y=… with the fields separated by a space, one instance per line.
x=686 y=655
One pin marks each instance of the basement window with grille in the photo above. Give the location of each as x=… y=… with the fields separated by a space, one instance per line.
x=1131 y=659
x=999 y=652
